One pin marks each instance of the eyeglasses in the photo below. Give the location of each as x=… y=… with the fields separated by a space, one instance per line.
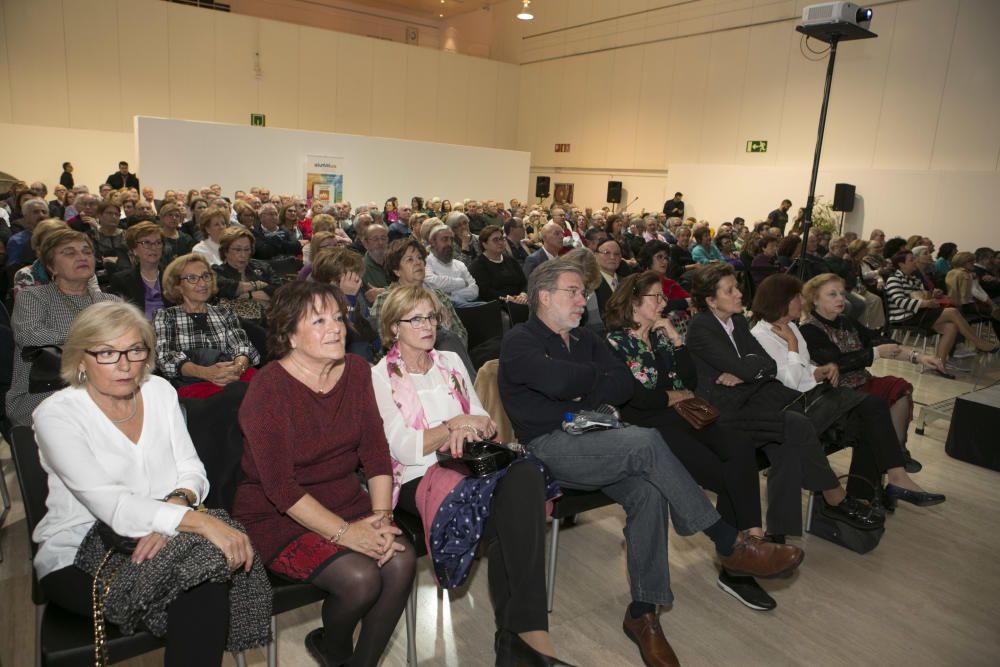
x=610 y=253
x=657 y=295
x=573 y=291
x=194 y=279
x=419 y=321
x=151 y=244
x=108 y=357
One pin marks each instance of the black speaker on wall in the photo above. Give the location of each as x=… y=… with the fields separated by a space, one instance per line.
x=614 y=192
x=843 y=197
x=542 y=186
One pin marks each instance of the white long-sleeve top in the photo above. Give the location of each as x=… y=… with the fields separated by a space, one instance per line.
x=795 y=369
x=96 y=472
x=210 y=250
x=453 y=279
x=406 y=443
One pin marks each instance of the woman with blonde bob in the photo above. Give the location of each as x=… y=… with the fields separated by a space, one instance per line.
x=246 y=285
x=199 y=347
x=211 y=223
x=121 y=464
x=43 y=314
x=428 y=405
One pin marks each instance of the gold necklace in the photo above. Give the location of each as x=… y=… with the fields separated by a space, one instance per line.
x=318 y=389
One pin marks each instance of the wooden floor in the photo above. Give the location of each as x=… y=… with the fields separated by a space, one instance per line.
x=928 y=595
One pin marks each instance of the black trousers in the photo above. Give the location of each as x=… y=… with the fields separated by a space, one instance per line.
x=876 y=447
x=515 y=532
x=719 y=458
x=197 y=621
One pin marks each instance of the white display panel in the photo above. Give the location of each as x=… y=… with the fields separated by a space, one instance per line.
x=181 y=154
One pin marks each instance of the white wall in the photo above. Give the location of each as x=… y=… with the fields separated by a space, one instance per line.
x=183 y=154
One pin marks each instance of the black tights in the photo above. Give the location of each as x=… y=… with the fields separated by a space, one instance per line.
x=358 y=590
x=197 y=621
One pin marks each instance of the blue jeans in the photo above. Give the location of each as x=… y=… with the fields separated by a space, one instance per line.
x=636 y=469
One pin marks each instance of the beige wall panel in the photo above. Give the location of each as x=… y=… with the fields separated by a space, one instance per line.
x=354 y=80
x=968 y=131
x=733 y=19
x=724 y=96
x=236 y=85
x=800 y=109
x=37 y=62
x=192 y=54
x=92 y=74
x=595 y=126
x=483 y=111
x=914 y=84
x=687 y=98
x=422 y=71
x=547 y=109
x=318 y=96
x=530 y=103
x=35 y=153
x=565 y=124
x=144 y=60
x=507 y=106
x=280 y=81
x=856 y=97
x=769 y=10
x=654 y=109
x=453 y=110
x=5 y=102
x=623 y=110
x=760 y=113
x=390 y=100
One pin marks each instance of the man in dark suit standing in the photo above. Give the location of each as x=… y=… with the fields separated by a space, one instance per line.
x=674 y=208
x=66 y=178
x=552 y=243
x=122 y=178
x=779 y=216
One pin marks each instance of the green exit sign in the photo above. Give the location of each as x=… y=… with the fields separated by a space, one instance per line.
x=257 y=120
x=756 y=146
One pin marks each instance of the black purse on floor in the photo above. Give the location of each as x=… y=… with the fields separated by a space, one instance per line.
x=843 y=534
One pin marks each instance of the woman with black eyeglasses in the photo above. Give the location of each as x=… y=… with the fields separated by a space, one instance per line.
x=199 y=347
x=143 y=285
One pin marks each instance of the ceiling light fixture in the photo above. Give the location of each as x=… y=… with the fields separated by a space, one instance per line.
x=526 y=14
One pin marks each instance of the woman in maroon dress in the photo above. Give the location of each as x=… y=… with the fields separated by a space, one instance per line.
x=310 y=421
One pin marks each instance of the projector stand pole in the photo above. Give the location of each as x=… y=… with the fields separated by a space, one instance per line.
x=811 y=198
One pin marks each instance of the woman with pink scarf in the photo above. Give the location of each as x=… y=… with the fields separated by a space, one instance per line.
x=427 y=404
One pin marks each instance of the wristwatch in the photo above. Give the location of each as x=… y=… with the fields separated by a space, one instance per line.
x=177 y=493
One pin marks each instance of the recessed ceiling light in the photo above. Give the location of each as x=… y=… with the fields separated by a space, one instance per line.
x=440 y=16
x=526 y=14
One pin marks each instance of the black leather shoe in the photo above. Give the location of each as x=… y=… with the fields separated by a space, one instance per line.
x=777 y=539
x=910 y=464
x=918 y=498
x=314 y=644
x=855 y=513
x=747 y=591
x=513 y=651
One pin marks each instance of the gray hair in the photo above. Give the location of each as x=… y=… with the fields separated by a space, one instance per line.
x=454 y=219
x=545 y=278
x=920 y=251
x=34 y=201
x=362 y=218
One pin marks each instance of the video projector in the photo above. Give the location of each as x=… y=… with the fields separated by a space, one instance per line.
x=836 y=21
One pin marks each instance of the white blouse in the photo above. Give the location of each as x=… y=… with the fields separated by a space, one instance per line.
x=96 y=472
x=795 y=369
x=405 y=443
x=210 y=250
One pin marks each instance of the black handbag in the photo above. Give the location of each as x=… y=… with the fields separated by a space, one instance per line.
x=115 y=542
x=824 y=404
x=480 y=458
x=44 y=375
x=201 y=356
x=843 y=534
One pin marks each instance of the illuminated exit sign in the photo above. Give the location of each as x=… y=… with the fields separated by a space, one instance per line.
x=756 y=146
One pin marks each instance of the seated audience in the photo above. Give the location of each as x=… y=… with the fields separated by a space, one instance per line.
x=211 y=223
x=497 y=274
x=736 y=375
x=35 y=273
x=542 y=376
x=465 y=249
x=109 y=240
x=719 y=457
x=143 y=285
x=514 y=240
x=788 y=251
x=724 y=243
x=446 y=273
x=245 y=285
x=89 y=438
x=911 y=304
x=428 y=405
x=764 y=262
x=175 y=242
x=271 y=240
x=196 y=205
x=942 y=265
x=704 y=250
x=681 y=258
x=551 y=236
x=343 y=269
x=964 y=290
x=405 y=261
x=777 y=306
x=656 y=256
x=43 y=314
x=609 y=260
x=834 y=338
x=301 y=499
x=19 y=249
x=200 y=348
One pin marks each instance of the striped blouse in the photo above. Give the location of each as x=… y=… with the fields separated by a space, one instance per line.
x=898 y=288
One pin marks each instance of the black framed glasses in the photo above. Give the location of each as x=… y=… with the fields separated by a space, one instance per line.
x=419 y=321
x=108 y=357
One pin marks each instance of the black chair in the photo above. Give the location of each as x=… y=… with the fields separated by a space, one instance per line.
x=518 y=312
x=62 y=638
x=482 y=322
x=571 y=503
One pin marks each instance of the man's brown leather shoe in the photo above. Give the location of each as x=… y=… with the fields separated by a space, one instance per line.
x=758 y=558
x=646 y=632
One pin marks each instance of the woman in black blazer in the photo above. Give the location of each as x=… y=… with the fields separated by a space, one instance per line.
x=141 y=285
x=737 y=376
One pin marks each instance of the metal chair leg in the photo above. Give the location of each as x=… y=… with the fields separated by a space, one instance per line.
x=39 y=611
x=411 y=627
x=550 y=575
x=5 y=496
x=809 y=511
x=272 y=648
x=241 y=660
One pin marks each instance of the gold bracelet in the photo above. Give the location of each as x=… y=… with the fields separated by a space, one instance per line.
x=340 y=533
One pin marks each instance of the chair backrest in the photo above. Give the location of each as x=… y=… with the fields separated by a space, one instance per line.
x=518 y=312
x=213 y=424
x=34 y=484
x=488 y=391
x=481 y=322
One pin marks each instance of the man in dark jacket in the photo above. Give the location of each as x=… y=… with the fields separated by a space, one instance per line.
x=122 y=178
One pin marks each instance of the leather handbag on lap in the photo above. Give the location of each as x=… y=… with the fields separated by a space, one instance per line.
x=481 y=458
x=697 y=411
x=44 y=374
